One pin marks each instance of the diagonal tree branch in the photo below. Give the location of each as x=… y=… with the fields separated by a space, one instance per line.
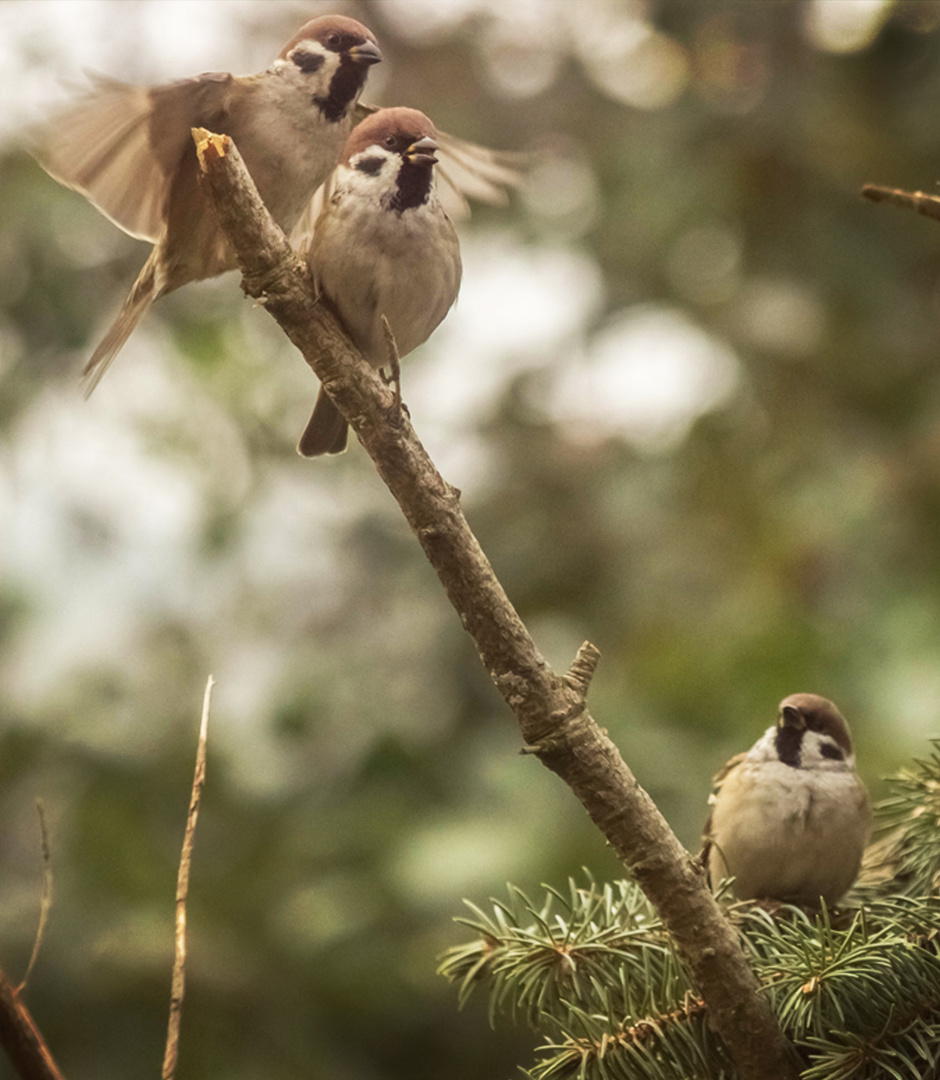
x=551 y=710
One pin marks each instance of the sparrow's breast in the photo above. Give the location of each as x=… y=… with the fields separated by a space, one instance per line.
x=287 y=146
x=372 y=261
x=789 y=833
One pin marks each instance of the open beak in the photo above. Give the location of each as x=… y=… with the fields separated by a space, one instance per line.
x=366 y=53
x=422 y=151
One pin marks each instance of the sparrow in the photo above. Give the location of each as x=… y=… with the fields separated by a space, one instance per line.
x=790 y=818
x=129 y=151
x=382 y=245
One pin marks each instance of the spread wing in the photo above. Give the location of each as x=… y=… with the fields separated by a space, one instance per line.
x=467 y=171
x=464 y=171
x=717 y=780
x=119 y=144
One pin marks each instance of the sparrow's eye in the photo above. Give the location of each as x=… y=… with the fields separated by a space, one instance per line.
x=332 y=40
x=390 y=141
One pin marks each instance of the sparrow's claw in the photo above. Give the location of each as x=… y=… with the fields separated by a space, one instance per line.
x=394 y=362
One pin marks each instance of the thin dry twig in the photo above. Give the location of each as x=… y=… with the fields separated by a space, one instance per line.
x=22 y=1040
x=45 y=902
x=551 y=710
x=928 y=205
x=178 y=984
x=19 y=1035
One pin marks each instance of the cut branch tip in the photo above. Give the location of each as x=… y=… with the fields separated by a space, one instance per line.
x=209 y=145
x=583 y=667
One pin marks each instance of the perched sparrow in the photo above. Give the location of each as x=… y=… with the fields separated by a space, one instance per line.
x=790 y=817
x=383 y=245
x=129 y=150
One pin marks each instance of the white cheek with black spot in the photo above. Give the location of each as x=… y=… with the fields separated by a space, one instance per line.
x=373 y=171
x=310 y=68
x=821 y=751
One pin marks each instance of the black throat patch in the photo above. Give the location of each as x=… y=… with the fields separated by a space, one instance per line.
x=346 y=83
x=412 y=187
x=789 y=742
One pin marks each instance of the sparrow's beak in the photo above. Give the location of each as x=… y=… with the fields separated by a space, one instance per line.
x=422 y=151
x=366 y=53
x=791 y=717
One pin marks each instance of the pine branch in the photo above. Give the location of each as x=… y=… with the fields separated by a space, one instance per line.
x=825 y=979
x=551 y=710
x=858 y=991
x=675 y=1046
x=905 y=856
x=538 y=963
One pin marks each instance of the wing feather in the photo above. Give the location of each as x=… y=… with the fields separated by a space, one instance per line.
x=119 y=144
x=717 y=780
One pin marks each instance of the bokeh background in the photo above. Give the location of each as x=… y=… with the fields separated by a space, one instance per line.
x=691 y=393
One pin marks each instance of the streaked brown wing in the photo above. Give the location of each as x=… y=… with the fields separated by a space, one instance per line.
x=302 y=233
x=468 y=171
x=717 y=780
x=119 y=145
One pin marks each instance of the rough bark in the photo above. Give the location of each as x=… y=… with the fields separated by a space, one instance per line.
x=551 y=710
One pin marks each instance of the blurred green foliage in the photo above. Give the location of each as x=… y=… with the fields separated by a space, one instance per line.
x=362 y=771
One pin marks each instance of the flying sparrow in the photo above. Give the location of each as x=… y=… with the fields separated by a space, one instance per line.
x=382 y=245
x=790 y=817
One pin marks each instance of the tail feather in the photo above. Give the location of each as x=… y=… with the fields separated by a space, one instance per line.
x=142 y=295
x=326 y=431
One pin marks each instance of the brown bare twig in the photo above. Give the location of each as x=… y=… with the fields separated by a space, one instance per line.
x=22 y=1040
x=19 y=1036
x=178 y=984
x=551 y=710
x=928 y=205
